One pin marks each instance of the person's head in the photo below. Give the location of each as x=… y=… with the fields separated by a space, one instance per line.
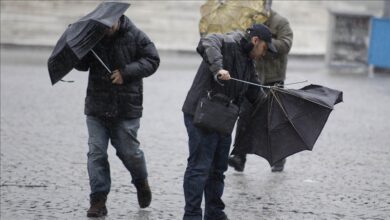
x=113 y=29
x=261 y=39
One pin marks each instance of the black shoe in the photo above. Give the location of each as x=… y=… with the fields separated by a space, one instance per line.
x=222 y=217
x=237 y=162
x=98 y=206
x=278 y=166
x=144 y=194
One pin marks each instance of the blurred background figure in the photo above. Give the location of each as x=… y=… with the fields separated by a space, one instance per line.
x=271 y=69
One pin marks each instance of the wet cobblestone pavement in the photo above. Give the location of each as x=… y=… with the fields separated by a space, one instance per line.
x=44 y=147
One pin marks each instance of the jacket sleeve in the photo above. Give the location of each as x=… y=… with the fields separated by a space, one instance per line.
x=147 y=62
x=284 y=37
x=210 y=48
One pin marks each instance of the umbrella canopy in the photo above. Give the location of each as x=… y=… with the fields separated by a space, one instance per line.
x=80 y=37
x=223 y=16
x=289 y=122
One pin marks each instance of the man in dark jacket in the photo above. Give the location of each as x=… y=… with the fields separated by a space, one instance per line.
x=271 y=70
x=224 y=56
x=114 y=107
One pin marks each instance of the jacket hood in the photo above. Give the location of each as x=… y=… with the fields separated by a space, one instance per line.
x=125 y=24
x=246 y=45
x=242 y=39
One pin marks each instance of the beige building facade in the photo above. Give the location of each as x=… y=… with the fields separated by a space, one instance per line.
x=171 y=24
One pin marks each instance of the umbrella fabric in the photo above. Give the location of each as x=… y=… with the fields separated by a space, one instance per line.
x=289 y=122
x=230 y=15
x=80 y=37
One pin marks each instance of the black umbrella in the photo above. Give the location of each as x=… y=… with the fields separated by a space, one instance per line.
x=289 y=122
x=80 y=37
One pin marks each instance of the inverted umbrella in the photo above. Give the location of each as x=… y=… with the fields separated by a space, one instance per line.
x=223 y=16
x=290 y=121
x=80 y=37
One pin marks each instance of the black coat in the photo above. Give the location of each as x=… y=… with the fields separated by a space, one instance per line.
x=229 y=52
x=130 y=51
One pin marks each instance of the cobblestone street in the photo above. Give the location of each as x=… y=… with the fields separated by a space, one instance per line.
x=44 y=148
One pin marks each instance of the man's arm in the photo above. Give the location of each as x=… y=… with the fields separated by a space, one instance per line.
x=209 y=48
x=284 y=37
x=147 y=63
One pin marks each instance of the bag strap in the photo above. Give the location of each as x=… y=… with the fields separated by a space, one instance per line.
x=219 y=97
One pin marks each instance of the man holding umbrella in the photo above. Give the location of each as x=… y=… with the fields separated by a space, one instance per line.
x=107 y=40
x=224 y=56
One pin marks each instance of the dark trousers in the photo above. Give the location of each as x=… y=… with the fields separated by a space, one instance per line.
x=207 y=162
x=123 y=136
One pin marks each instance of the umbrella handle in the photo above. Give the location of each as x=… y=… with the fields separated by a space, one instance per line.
x=101 y=61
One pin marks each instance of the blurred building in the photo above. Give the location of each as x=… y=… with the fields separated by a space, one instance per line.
x=172 y=25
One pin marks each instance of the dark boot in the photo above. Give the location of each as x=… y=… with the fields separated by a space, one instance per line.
x=144 y=194
x=222 y=217
x=98 y=206
x=278 y=166
x=237 y=162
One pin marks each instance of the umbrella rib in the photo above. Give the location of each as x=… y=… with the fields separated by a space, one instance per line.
x=289 y=120
x=285 y=91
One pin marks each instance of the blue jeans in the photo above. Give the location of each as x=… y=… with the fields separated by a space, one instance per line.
x=207 y=162
x=123 y=136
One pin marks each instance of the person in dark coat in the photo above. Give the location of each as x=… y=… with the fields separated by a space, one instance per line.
x=272 y=71
x=113 y=106
x=224 y=56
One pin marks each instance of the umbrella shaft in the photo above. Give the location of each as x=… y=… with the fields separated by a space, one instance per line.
x=101 y=61
x=251 y=83
x=255 y=84
x=295 y=83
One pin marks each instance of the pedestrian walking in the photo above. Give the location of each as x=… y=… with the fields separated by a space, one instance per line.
x=272 y=71
x=224 y=56
x=113 y=107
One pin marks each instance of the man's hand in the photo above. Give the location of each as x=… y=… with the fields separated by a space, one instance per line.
x=116 y=77
x=223 y=74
